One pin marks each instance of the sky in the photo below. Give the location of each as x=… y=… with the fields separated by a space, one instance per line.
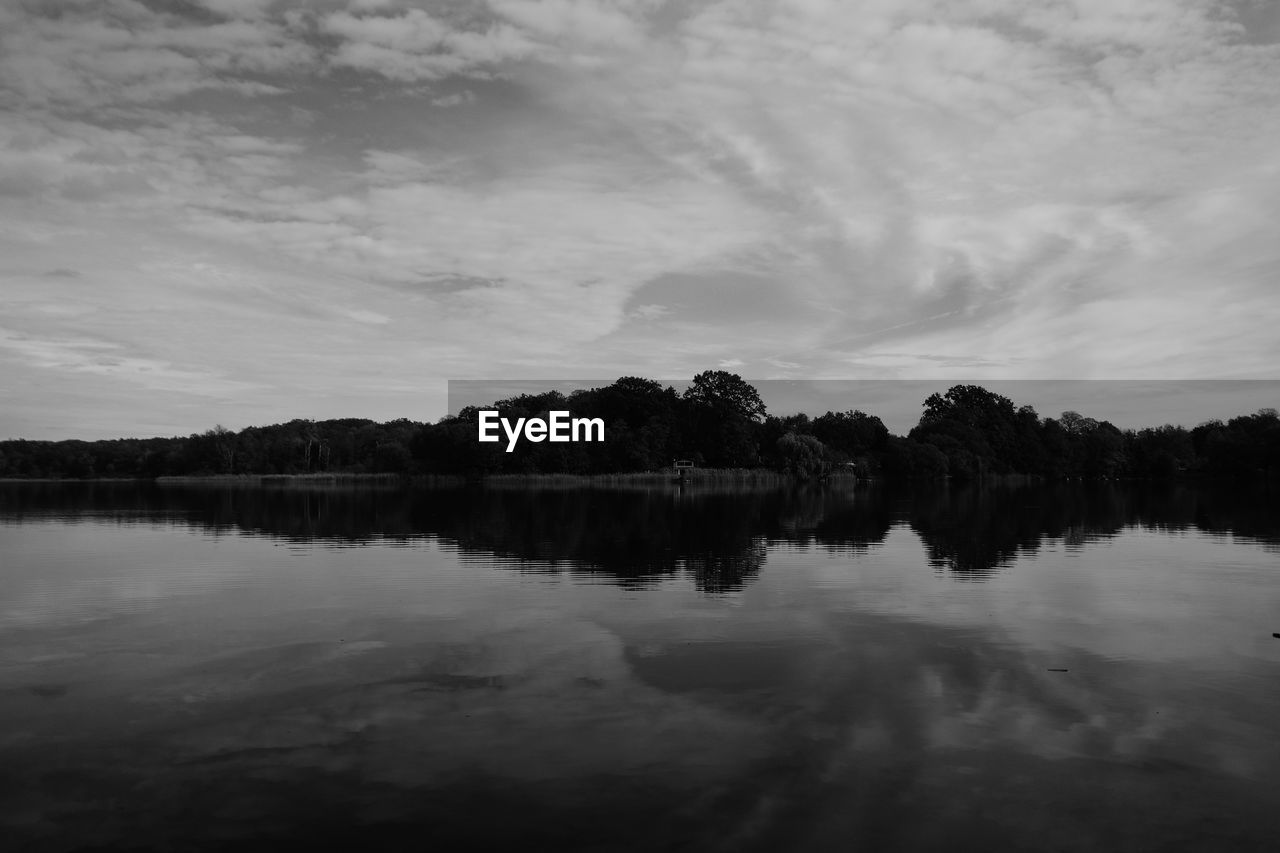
x=246 y=211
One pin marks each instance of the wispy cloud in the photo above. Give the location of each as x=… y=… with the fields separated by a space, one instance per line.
x=107 y=360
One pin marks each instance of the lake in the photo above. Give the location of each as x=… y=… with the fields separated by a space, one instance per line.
x=384 y=667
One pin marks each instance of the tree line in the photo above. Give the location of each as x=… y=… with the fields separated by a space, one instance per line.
x=719 y=421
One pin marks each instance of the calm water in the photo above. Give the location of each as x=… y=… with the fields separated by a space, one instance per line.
x=196 y=667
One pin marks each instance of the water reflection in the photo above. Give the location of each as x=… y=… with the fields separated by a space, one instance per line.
x=635 y=535
x=303 y=666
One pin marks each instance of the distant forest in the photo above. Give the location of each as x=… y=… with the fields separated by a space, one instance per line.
x=718 y=422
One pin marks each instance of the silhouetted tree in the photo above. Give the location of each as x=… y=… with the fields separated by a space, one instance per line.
x=802 y=455
x=966 y=433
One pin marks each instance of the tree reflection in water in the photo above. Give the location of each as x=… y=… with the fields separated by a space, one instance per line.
x=635 y=535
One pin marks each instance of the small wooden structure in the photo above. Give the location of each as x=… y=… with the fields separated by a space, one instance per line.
x=682 y=467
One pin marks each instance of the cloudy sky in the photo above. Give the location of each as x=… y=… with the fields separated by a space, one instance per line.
x=246 y=211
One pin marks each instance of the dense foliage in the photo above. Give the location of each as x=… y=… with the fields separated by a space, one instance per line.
x=719 y=421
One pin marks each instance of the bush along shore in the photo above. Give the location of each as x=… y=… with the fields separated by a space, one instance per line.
x=719 y=427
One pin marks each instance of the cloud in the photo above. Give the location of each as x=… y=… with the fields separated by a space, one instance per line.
x=457 y=99
x=801 y=187
x=103 y=359
x=565 y=247
x=95 y=55
x=579 y=22
x=417 y=46
x=955 y=162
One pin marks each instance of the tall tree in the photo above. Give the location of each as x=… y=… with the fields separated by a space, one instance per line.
x=726 y=391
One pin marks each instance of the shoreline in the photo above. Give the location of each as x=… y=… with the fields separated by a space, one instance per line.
x=661 y=477
x=699 y=475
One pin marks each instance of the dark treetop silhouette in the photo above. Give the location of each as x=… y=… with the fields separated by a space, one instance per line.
x=718 y=422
